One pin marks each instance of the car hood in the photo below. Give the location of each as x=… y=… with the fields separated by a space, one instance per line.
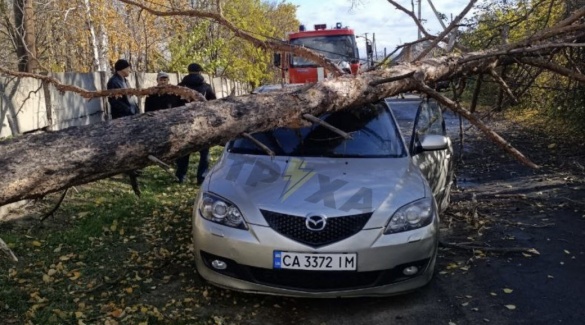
x=306 y=186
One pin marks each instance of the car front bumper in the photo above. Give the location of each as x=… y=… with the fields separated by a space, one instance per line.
x=248 y=257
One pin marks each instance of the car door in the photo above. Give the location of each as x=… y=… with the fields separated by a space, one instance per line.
x=436 y=165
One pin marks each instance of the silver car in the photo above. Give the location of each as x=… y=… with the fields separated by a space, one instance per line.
x=350 y=209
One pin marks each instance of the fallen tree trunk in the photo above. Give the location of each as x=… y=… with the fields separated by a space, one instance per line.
x=32 y=166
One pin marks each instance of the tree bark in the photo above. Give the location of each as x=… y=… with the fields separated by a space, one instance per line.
x=32 y=166
x=26 y=48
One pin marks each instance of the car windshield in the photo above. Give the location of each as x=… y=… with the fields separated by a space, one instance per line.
x=373 y=135
x=339 y=47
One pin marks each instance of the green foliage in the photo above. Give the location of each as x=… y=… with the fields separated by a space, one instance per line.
x=538 y=89
x=222 y=53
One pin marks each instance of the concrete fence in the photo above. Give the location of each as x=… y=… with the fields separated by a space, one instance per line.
x=26 y=104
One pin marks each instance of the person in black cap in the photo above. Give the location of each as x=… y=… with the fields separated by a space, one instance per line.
x=121 y=106
x=195 y=81
x=161 y=101
x=125 y=105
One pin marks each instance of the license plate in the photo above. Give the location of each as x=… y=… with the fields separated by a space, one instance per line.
x=315 y=261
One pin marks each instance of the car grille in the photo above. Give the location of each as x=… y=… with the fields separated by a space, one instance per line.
x=336 y=228
x=315 y=280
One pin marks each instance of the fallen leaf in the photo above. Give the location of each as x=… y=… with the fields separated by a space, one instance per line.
x=567 y=252
x=114 y=225
x=552 y=145
x=82 y=214
x=37 y=243
x=117 y=313
x=533 y=251
x=507 y=290
x=75 y=276
x=47 y=278
x=511 y=307
x=493 y=294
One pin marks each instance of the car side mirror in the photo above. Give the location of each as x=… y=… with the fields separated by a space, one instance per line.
x=434 y=142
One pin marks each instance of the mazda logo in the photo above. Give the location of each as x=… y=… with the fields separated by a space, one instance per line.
x=315 y=223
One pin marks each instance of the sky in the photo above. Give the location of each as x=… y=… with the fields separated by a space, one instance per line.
x=391 y=26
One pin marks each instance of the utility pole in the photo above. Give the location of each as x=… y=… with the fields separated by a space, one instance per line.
x=419 y=19
x=375 y=47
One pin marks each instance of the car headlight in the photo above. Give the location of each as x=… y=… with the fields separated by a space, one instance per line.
x=411 y=216
x=219 y=210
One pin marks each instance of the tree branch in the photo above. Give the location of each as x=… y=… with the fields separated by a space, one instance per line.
x=479 y=124
x=503 y=85
x=554 y=67
x=220 y=19
x=444 y=33
x=183 y=92
x=411 y=15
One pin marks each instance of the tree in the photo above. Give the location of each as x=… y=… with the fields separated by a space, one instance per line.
x=34 y=165
x=26 y=46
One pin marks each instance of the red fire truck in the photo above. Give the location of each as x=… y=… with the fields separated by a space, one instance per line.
x=337 y=44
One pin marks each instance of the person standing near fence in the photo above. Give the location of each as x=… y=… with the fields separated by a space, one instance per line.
x=161 y=101
x=124 y=105
x=194 y=80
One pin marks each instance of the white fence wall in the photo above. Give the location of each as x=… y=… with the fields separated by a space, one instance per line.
x=26 y=104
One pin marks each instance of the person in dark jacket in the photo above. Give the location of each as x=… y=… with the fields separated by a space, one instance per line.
x=121 y=106
x=195 y=81
x=161 y=101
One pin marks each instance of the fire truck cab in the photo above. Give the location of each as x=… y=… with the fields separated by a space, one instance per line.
x=337 y=44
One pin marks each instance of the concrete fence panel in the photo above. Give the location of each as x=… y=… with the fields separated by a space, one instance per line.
x=70 y=109
x=22 y=106
x=27 y=105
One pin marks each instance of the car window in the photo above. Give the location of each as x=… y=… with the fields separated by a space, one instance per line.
x=430 y=119
x=373 y=131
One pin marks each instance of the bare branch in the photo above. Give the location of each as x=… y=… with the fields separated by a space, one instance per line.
x=163 y=165
x=56 y=207
x=554 y=67
x=391 y=79
x=503 y=85
x=316 y=120
x=456 y=107
x=411 y=15
x=4 y=248
x=259 y=144
x=265 y=44
x=437 y=14
x=183 y=92
x=444 y=33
